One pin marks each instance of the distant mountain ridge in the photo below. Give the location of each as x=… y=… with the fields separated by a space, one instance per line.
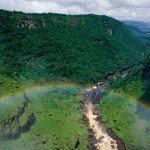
x=141 y=25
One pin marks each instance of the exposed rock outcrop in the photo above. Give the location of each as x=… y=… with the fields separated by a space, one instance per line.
x=109 y=32
x=26 y=23
x=72 y=23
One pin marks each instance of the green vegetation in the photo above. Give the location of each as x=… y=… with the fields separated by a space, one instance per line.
x=58 y=122
x=120 y=114
x=136 y=84
x=141 y=29
x=122 y=110
x=43 y=47
x=38 y=48
x=132 y=85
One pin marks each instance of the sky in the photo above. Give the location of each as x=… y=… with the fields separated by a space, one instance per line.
x=119 y=9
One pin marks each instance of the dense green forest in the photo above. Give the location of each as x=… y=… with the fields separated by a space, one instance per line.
x=53 y=49
x=83 y=48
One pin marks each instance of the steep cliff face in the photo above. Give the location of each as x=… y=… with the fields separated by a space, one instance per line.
x=27 y=23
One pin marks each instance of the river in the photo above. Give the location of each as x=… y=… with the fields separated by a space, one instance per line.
x=101 y=137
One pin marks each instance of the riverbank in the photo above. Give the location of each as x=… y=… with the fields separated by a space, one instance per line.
x=101 y=138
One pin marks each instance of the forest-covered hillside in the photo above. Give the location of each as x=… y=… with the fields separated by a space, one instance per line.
x=80 y=48
x=40 y=56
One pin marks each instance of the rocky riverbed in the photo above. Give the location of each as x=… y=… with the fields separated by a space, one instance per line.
x=101 y=138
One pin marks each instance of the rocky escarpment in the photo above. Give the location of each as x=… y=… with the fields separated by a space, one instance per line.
x=26 y=23
x=11 y=128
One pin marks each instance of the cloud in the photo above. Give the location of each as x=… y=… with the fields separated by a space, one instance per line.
x=120 y=9
x=131 y=3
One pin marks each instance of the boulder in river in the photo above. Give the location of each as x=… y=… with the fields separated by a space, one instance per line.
x=85 y=118
x=96 y=112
